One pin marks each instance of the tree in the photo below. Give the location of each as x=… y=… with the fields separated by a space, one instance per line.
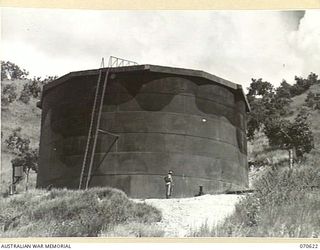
x=28 y=160
x=283 y=91
x=12 y=71
x=16 y=142
x=292 y=136
x=255 y=119
x=260 y=88
x=261 y=96
x=8 y=94
x=302 y=137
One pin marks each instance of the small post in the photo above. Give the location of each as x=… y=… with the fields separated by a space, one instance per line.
x=12 y=189
x=200 y=191
x=290 y=158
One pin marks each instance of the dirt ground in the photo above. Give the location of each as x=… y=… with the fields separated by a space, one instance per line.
x=179 y=216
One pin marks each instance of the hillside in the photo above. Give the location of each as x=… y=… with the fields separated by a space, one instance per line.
x=18 y=114
x=298 y=102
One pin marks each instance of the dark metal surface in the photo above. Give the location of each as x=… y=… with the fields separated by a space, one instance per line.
x=189 y=124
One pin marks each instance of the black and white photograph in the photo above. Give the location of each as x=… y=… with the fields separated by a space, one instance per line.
x=160 y=123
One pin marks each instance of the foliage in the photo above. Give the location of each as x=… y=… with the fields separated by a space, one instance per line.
x=282 y=98
x=30 y=89
x=12 y=71
x=259 y=95
x=269 y=103
x=302 y=137
x=28 y=160
x=278 y=133
x=33 y=88
x=260 y=88
x=265 y=104
x=268 y=108
x=8 y=94
x=313 y=101
x=46 y=80
x=283 y=91
x=302 y=84
x=17 y=143
x=59 y=213
x=296 y=135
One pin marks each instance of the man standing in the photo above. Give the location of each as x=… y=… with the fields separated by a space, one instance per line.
x=169 y=182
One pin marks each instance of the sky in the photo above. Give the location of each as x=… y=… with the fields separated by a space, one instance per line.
x=235 y=45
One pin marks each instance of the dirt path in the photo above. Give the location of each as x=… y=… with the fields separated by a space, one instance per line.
x=181 y=215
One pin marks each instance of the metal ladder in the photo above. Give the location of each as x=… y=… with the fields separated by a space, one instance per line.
x=86 y=170
x=94 y=129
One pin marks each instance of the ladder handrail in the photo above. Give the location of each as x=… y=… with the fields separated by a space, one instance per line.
x=97 y=126
x=90 y=130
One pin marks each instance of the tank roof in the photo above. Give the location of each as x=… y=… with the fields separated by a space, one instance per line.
x=150 y=68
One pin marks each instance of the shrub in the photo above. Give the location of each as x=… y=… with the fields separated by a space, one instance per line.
x=8 y=94
x=25 y=96
x=16 y=142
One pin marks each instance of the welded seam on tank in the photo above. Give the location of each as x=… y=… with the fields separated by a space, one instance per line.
x=210 y=117
x=165 y=133
x=174 y=153
x=142 y=174
x=223 y=142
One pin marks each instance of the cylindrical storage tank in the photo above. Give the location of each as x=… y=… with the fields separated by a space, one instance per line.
x=183 y=120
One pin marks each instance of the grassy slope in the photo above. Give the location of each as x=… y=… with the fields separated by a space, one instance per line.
x=59 y=213
x=18 y=114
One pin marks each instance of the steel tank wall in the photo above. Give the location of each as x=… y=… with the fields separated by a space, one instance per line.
x=160 y=120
